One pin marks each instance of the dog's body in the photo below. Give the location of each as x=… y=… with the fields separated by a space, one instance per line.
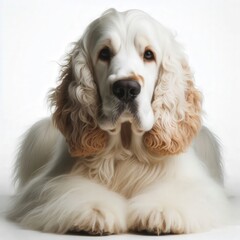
x=131 y=153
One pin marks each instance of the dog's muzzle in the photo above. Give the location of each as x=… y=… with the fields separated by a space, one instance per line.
x=126 y=90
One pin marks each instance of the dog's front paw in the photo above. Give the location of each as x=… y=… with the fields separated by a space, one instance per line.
x=156 y=221
x=99 y=221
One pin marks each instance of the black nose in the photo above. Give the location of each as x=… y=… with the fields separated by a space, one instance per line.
x=126 y=90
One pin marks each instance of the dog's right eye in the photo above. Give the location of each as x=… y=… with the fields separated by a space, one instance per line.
x=105 y=54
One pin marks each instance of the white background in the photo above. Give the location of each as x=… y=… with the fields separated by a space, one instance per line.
x=35 y=34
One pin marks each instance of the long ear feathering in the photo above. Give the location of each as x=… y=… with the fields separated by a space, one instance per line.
x=75 y=102
x=176 y=105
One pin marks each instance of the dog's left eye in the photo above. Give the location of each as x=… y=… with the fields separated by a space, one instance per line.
x=105 y=54
x=149 y=55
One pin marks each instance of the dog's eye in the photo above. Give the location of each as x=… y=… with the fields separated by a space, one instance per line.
x=148 y=55
x=105 y=54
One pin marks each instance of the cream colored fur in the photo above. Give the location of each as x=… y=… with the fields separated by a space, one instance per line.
x=151 y=167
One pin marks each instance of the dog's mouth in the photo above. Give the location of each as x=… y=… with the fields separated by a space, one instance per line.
x=126 y=112
x=122 y=114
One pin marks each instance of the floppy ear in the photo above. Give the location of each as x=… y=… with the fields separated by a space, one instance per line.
x=75 y=102
x=176 y=105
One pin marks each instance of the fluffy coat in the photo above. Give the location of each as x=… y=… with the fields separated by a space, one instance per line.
x=104 y=165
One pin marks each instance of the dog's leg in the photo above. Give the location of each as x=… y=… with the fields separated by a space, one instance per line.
x=70 y=203
x=184 y=200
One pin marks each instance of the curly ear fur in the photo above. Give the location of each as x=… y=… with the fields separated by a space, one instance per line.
x=176 y=105
x=75 y=101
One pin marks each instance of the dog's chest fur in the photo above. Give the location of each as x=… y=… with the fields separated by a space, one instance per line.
x=123 y=167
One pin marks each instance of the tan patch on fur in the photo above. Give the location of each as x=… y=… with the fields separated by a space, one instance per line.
x=139 y=78
x=135 y=77
x=92 y=141
x=72 y=117
x=158 y=141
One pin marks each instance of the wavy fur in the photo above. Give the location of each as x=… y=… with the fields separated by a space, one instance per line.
x=105 y=166
x=75 y=101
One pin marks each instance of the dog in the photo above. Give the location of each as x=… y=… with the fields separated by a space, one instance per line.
x=124 y=149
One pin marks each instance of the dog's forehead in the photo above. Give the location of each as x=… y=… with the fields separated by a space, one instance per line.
x=126 y=22
x=122 y=26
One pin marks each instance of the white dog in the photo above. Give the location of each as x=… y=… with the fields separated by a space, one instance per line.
x=124 y=149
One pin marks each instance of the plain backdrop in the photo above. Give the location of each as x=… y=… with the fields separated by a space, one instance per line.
x=35 y=35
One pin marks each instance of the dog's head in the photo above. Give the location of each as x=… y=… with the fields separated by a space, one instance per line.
x=127 y=68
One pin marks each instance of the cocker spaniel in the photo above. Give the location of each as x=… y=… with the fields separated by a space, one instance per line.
x=124 y=149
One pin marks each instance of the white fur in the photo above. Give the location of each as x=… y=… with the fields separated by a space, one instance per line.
x=121 y=188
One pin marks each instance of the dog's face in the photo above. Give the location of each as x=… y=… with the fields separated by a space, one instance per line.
x=127 y=68
x=126 y=56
